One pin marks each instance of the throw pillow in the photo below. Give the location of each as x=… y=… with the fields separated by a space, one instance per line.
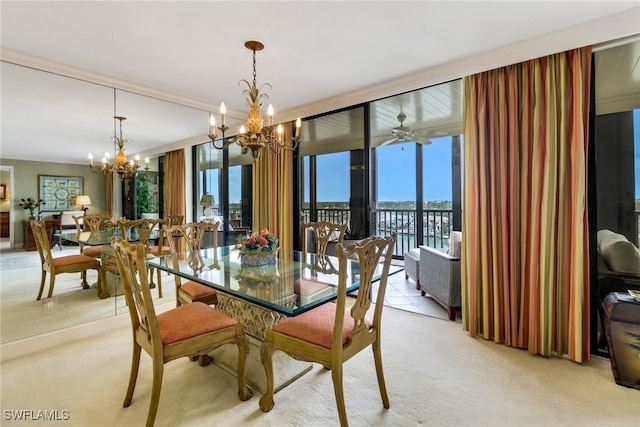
x=455 y=244
x=620 y=254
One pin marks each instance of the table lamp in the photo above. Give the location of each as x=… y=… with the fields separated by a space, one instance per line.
x=83 y=200
x=206 y=202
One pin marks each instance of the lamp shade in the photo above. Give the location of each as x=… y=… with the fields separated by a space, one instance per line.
x=83 y=200
x=207 y=200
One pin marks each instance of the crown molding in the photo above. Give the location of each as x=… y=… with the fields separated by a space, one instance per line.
x=622 y=26
x=23 y=59
x=596 y=32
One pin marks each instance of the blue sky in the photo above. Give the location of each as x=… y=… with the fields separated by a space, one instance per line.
x=396 y=169
x=396 y=173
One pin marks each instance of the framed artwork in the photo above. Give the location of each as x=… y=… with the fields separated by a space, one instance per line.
x=59 y=192
x=3 y=191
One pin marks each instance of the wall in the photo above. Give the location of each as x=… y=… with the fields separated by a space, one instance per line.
x=26 y=182
x=5 y=179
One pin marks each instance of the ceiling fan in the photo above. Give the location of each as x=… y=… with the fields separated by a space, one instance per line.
x=404 y=134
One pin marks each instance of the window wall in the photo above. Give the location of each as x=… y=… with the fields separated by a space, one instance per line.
x=226 y=176
x=333 y=169
x=416 y=174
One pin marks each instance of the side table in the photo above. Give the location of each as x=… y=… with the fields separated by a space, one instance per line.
x=621 y=317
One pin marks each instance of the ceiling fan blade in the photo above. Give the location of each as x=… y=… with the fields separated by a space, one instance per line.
x=388 y=141
x=422 y=140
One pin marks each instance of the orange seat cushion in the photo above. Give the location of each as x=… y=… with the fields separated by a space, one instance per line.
x=113 y=260
x=196 y=289
x=309 y=286
x=92 y=251
x=191 y=320
x=164 y=249
x=73 y=259
x=316 y=326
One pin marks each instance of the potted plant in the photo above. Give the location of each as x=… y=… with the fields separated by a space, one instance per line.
x=144 y=196
x=355 y=229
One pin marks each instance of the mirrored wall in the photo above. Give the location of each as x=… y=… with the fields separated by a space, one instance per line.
x=77 y=118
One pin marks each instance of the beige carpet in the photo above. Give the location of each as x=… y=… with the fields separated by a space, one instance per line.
x=436 y=375
x=22 y=316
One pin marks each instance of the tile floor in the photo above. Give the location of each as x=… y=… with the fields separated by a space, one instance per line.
x=402 y=294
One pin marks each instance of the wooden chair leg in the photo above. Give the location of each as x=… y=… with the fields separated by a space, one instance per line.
x=42 y=279
x=377 y=357
x=266 y=401
x=133 y=376
x=158 y=371
x=336 y=375
x=52 y=281
x=85 y=284
x=244 y=392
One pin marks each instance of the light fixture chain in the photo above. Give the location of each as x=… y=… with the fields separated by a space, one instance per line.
x=254 y=69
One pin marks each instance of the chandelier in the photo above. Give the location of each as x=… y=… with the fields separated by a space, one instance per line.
x=257 y=135
x=120 y=165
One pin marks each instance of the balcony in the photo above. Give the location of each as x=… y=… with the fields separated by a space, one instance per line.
x=437 y=224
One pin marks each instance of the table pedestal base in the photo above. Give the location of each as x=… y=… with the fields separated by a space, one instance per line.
x=285 y=369
x=256 y=320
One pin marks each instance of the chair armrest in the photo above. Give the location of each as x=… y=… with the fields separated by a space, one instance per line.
x=440 y=275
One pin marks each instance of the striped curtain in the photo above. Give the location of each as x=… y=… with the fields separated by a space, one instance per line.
x=525 y=269
x=174 y=183
x=273 y=194
x=108 y=191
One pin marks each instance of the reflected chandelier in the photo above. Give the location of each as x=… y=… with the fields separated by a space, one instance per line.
x=258 y=135
x=121 y=166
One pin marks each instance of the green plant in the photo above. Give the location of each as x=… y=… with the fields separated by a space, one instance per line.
x=144 y=196
x=355 y=229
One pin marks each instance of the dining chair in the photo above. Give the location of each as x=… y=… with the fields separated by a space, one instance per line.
x=192 y=329
x=64 y=264
x=192 y=233
x=331 y=334
x=144 y=231
x=174 y=219
x=93 y=222
x=322 y=232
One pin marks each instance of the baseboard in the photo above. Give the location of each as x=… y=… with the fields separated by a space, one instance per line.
x=44 y=342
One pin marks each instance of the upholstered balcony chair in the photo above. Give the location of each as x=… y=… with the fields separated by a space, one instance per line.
x=331 y=334
x=64 y=264
x=188 y=330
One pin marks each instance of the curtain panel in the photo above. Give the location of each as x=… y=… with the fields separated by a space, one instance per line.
x=174 y=183
x=273 y=194
x=525 y=268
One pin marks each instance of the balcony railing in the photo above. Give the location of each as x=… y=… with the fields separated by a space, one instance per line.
x=437 y=224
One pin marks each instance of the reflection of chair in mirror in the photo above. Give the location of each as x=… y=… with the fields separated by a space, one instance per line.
x=321 y=233
x=143 y=231
x=67 y=222
x=331 y=334
x=192 y=233
x=89 y=223
x=189 y=330
x=174 y=219
x=64 y=264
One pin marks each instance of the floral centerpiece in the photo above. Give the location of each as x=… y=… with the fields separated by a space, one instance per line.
x=259 y=249
x=110 y=225
x=32 y=205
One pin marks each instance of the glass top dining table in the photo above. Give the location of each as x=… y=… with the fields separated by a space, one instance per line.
x=99 y=237
x=297 y=283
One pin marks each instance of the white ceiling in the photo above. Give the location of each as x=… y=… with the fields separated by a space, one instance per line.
x=318 y=57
